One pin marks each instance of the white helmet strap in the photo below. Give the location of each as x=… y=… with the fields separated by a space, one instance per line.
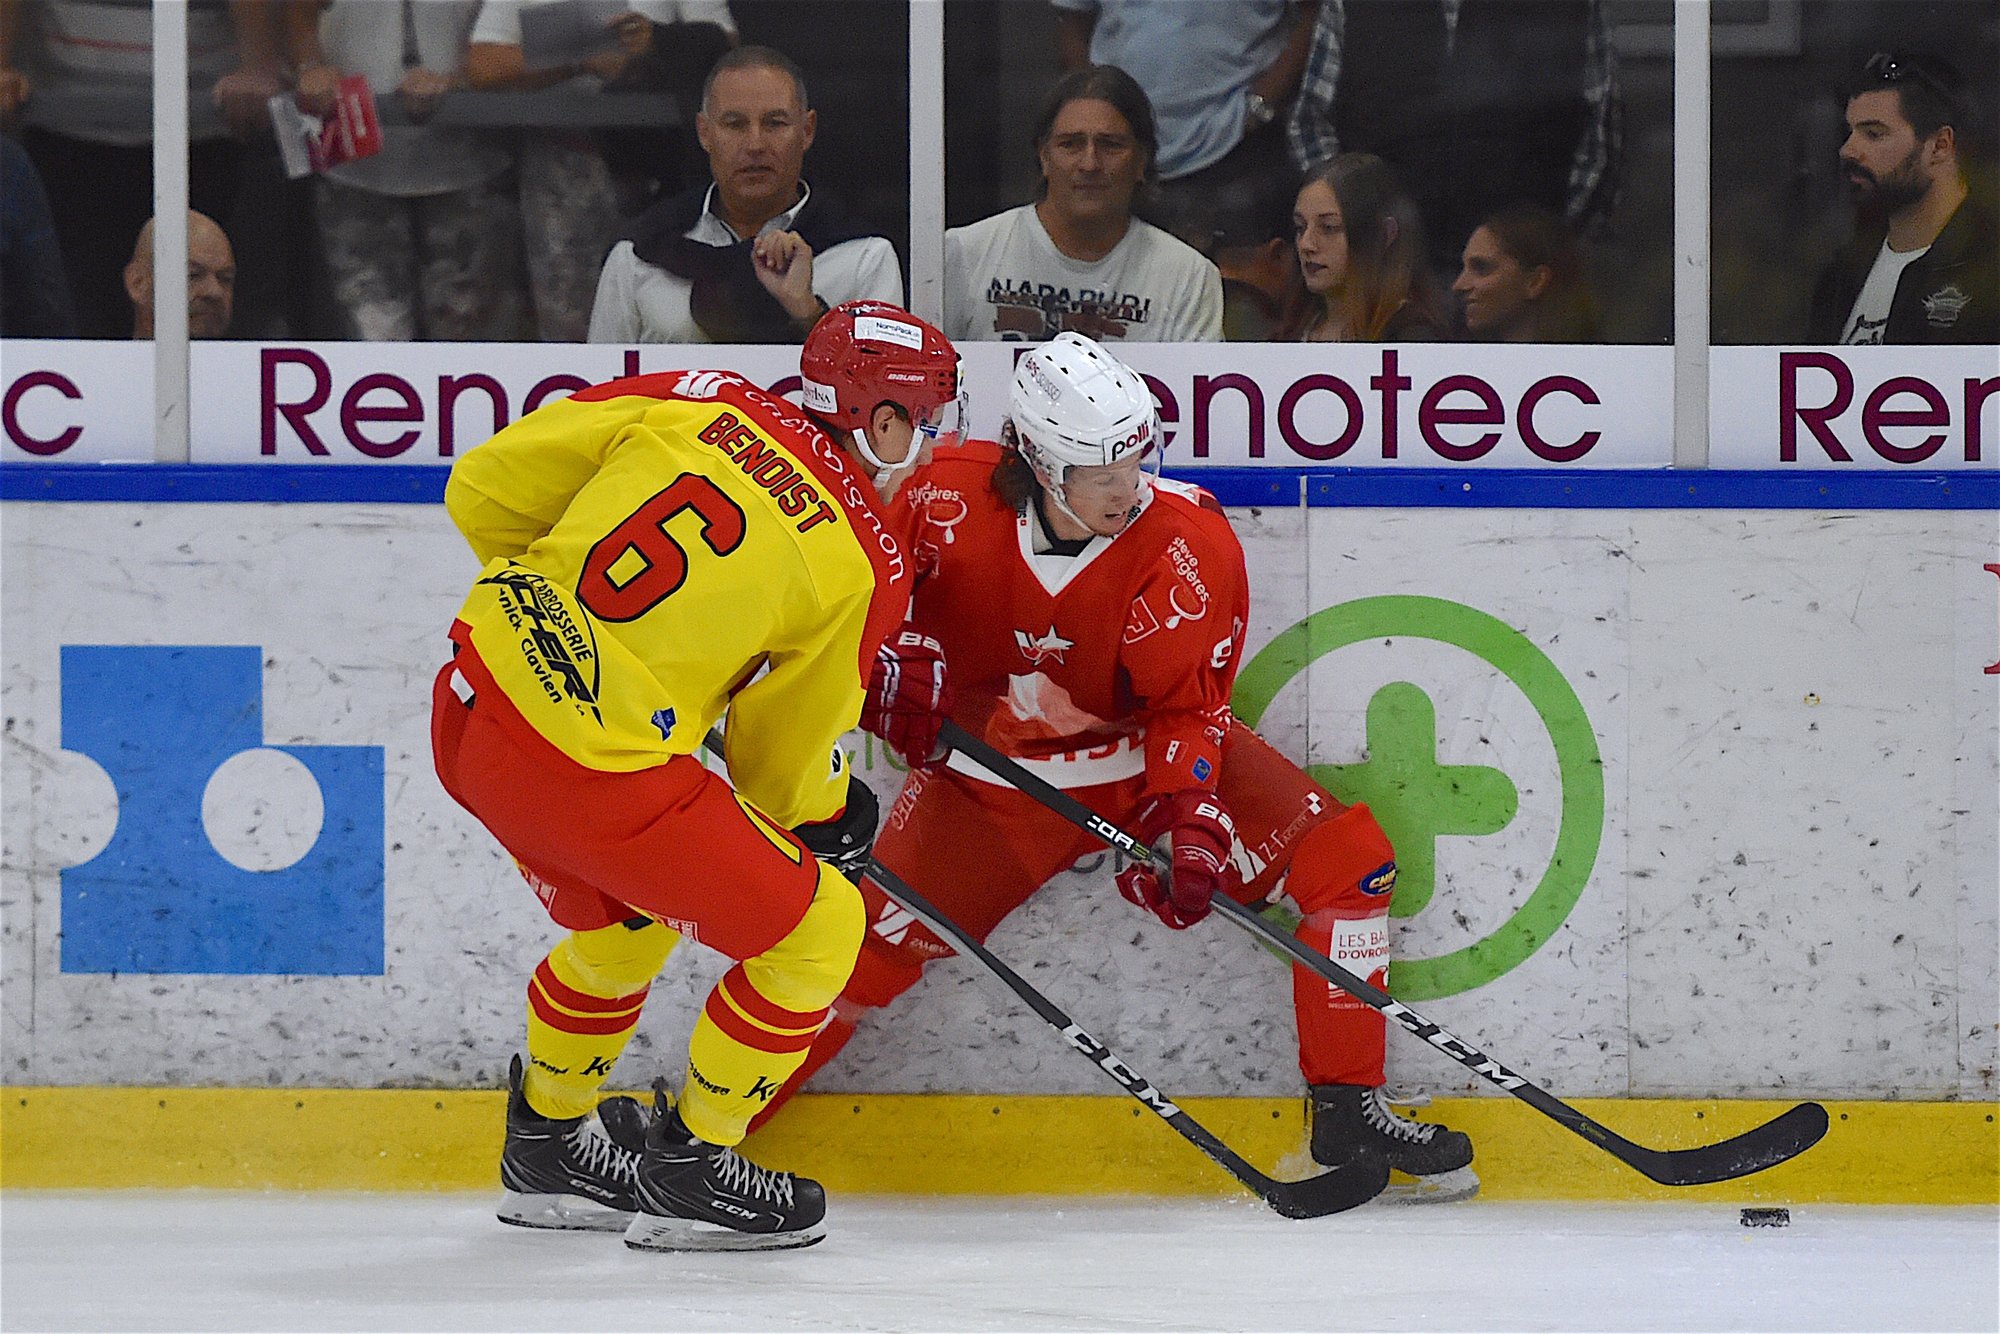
x=887 y=476
x=1050 y=473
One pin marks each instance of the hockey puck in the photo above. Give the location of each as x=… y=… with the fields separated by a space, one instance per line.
x=1765 y=1218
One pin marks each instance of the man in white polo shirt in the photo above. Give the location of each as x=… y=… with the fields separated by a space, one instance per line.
x=757 y=256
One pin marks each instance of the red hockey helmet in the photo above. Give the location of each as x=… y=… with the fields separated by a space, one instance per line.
x=866 y=352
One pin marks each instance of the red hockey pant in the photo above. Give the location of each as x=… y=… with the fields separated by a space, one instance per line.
x=978 y=851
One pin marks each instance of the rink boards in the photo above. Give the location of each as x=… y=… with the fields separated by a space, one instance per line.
x=1692 y=804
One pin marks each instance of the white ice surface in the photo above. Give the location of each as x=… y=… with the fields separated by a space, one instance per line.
x=212 y=1261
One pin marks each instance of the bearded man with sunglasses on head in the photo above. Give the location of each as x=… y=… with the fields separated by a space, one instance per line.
x=1923 y=266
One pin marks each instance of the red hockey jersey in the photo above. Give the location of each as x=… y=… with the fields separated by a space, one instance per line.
x=1089 y=667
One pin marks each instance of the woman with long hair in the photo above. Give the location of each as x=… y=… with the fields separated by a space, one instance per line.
x=1360 y=245
x=1522 y=280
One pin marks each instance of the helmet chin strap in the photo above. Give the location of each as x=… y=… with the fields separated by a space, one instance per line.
x=884 y=475
x=1057 y=493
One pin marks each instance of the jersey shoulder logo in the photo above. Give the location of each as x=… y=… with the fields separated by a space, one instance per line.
x=1140 y=622
x=703 y=384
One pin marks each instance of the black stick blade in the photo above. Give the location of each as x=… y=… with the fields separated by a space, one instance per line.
x=1776 y=1141
x=1333 y=1191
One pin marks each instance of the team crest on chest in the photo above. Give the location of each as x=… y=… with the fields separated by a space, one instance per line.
x=1037 y=647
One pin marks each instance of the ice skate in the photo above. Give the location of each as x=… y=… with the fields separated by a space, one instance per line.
x=697 y=1196
x=577 y=1174
x=1434 y=1163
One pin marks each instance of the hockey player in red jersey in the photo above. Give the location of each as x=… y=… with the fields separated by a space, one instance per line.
x=657 y=549
x=1093 y=615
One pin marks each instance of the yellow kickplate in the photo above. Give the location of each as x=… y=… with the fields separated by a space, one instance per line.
x=413 y=1139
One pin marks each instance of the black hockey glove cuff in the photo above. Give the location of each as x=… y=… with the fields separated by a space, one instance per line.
x=845 y=841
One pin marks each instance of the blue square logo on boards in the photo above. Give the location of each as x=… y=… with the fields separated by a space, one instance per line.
x=159 y=898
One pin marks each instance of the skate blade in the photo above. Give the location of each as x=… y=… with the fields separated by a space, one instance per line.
x=560 y=1213
x=651 y=1232
x=1441 y=1188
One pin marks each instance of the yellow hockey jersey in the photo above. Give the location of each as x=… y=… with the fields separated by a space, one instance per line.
x=659 y=548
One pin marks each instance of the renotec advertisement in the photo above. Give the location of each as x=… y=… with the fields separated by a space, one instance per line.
x=1222 y=404
x=1241 y=405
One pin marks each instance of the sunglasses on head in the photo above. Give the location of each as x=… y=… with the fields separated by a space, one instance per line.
x=1888 y=67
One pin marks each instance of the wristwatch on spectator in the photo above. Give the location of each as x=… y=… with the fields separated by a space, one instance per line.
x=1258 y=112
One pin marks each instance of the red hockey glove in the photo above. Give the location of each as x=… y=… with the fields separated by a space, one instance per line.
x=1198 y=833
x=907 y=702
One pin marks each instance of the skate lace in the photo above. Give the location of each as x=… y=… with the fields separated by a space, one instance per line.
x=745 y=1178
x=596 y=1154
x=1377 y=1112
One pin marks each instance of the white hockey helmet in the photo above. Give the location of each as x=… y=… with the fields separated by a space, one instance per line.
x=1074 y=405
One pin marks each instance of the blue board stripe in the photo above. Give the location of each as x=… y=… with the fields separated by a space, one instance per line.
x=1491 y=488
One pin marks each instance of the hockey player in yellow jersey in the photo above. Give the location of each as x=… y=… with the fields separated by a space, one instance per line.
x=656 y=551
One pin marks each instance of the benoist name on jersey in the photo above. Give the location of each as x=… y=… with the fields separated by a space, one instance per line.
x=763 y=464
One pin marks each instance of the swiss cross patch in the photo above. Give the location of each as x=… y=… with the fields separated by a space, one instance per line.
x=1141 y=622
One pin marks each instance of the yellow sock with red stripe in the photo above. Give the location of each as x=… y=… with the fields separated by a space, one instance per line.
x=583 y=1003
x=762 y=1016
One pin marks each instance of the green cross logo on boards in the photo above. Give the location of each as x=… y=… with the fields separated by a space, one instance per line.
x=1418 y=800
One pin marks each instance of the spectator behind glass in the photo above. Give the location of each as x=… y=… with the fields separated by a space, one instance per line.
x=1077 y=259
x=423 y=240
x=34 y=295
x=653 y=162
x=1218 y=73
x=1522 y=281
x=569 y=206
x=1251 y=244
x=1477 y=103
x=1924 y=266
x=758 y=255
x=90 y=132
x=1361 y=256
x=211 y=279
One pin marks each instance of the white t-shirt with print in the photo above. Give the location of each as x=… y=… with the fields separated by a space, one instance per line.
x=1006 y=281
x=1870 y=316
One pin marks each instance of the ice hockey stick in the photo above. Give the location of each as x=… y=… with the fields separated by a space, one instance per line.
x=1331 y=1192
x=1785 y=1136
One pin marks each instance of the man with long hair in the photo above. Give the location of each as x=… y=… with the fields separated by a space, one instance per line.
x=1077 y=259
x=1093 y=615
